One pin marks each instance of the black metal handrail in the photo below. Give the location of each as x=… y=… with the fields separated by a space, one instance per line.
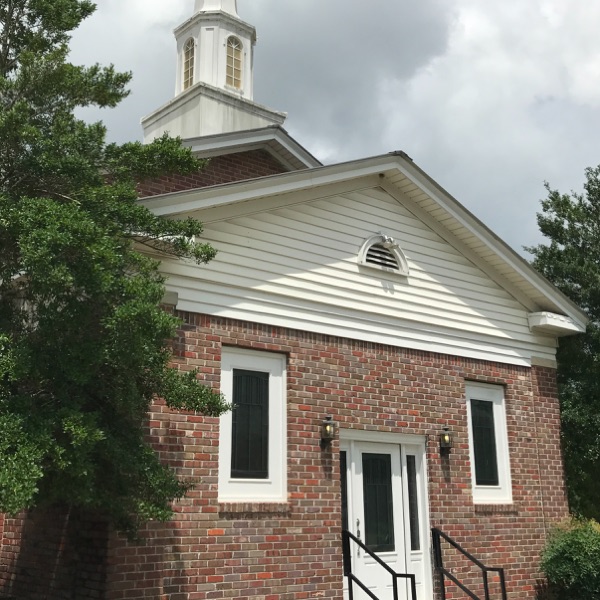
x=346 y=537
x=437 y=535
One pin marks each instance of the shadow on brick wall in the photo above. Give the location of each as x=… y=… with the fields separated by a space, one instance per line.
x=54 y=554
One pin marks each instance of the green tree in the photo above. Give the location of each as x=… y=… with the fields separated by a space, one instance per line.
x=571 y=260
x=83 y=341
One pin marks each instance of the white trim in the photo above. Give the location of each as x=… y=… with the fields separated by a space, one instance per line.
x=273 y=489
x=552 y=324
x=357 y=326
x=491 y=494
x=272 y=138
x=384 y=437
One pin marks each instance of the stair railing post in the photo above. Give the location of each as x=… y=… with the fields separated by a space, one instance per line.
x=346 y=553
x=486 y=585
x=439 y=565
x=413 y=587
x=347 y=563
x=503 y=584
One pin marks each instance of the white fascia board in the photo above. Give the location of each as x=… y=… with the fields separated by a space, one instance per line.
x=478 y=229
x=240 y=141
x=550 y=323
x=178 y=203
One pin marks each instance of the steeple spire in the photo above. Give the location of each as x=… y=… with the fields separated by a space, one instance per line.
x=227 y=6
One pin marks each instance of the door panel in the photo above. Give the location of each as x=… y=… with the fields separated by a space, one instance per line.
x=382 y=495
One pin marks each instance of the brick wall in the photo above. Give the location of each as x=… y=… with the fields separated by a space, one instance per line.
x=292 y=550
x=227 y=168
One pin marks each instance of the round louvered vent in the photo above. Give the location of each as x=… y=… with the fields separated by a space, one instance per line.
x=383 y=252
x=380 y=256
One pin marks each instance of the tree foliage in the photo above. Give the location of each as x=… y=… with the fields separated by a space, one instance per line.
x=571 y=260
x=83 y=341
x=571 y=561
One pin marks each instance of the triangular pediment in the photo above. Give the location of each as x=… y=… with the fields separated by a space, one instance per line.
x=290 y=253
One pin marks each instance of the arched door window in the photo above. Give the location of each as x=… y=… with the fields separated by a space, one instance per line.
x=189 y=51
x=234 y=62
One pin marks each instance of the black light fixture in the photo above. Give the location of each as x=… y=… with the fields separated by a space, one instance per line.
x=446 y=439
x=328 y=427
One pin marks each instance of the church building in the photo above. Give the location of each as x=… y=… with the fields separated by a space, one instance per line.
x=391 y=363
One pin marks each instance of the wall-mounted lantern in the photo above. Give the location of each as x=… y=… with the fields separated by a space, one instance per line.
x=446 y=439
x=328 y=428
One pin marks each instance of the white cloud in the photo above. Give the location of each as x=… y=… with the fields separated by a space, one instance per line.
x=491 y=98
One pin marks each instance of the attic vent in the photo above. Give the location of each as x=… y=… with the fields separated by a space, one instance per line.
x=383 y=252
x=381 y=256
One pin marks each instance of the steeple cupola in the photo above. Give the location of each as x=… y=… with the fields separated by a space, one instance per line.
x=216 y=47
x=214 y=81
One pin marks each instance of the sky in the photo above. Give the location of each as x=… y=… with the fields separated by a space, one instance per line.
x=490 y=98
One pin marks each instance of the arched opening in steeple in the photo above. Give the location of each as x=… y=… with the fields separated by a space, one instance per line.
x=189 y=56
x=234 y=62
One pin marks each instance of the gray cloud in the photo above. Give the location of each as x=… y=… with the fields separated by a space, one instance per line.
x=490 y=98
x=325 y=62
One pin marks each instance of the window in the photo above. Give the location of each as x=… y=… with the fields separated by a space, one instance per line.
x=383 y=252
x=252 y=439
x=188 y=63
x=413 y=502
x=488 y=444
x=234 y=63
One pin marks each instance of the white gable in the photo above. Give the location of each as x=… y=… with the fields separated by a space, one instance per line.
x=292 y=260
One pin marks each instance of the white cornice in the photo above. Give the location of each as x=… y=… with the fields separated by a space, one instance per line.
x=552 y=324
x=274 y=139
x=222 y=96
x=233 y=22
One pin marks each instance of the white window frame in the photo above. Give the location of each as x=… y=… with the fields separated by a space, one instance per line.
x=491 y=494
x=189 y=64
x=274 y=488
x=235 y=54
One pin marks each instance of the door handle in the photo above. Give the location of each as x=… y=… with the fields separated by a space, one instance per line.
x=358 y=536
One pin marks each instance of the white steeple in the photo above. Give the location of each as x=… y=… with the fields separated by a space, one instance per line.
x=215 y=78
x=228 y=6
x=216 y=47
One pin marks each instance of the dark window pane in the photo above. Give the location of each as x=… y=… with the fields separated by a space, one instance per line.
x=344 y=482
x=250 y=426
x=413 y=502
x=377 y=492
x=484 y=442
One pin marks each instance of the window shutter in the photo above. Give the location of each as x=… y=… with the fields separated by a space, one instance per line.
x=250 y=425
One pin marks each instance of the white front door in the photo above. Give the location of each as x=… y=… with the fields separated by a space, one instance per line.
x=383 y=493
